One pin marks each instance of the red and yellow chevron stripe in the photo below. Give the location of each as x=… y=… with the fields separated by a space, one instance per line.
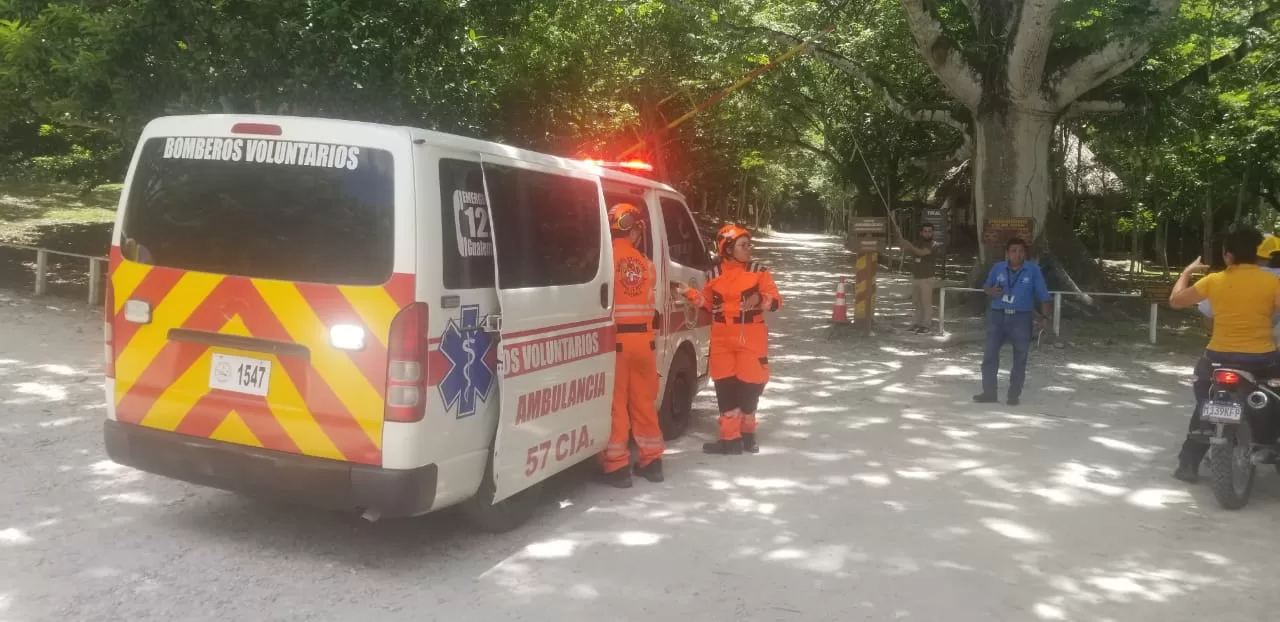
x=327 y=403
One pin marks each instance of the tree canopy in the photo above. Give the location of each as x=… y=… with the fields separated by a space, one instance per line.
x=1177 y=99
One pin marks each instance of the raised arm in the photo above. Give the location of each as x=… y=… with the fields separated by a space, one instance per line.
x=1184 y=295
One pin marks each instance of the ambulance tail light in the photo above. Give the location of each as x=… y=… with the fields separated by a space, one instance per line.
x=109 y=340
x=406 y=400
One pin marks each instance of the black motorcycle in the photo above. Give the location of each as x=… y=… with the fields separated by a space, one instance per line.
x=1245 y=413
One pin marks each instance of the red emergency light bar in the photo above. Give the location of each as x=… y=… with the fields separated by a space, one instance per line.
x=631 y=165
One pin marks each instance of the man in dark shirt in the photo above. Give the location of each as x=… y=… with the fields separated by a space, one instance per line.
x=923 y=269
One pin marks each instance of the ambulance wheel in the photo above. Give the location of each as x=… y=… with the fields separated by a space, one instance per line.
x=677 y=402
x=506 y=515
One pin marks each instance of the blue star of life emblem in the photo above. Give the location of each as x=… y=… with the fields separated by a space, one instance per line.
x=471 y=373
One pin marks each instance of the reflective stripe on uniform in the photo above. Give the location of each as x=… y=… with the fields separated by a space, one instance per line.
x=643 y=312
x=615 y=450
x=641 y=317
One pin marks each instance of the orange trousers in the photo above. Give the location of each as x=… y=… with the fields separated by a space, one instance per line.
x=740 y=371
x=635 y=393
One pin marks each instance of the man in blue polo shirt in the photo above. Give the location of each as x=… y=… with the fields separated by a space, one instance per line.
x=1014 y=287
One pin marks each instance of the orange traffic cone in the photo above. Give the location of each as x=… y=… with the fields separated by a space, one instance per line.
x=839 y=315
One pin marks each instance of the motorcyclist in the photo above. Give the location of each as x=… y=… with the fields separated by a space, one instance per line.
x=1243 y=299
x=1268 y=254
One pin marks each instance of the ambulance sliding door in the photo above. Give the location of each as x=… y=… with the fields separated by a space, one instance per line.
x=555 y=274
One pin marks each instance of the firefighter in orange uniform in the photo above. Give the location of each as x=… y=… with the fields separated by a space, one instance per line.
x=636 y=379
x=738 y=292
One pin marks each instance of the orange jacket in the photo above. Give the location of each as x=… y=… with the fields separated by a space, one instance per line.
x=634 y=307
x=728 y=286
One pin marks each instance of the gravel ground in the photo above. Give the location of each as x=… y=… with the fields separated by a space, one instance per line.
x=881 y=493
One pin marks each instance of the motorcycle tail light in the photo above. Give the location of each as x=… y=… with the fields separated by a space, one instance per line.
x=1226 y=377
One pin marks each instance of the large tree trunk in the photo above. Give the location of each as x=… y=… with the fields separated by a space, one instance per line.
x=1011 y=167
x=1012 y=178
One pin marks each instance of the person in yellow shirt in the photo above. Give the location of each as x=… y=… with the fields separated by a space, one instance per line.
x=1243 y=298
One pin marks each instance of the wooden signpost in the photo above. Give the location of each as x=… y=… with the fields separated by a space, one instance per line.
x=998 y=231
x=869 y=235
x=1157 y=294
x=870 y=227
x=868 y=245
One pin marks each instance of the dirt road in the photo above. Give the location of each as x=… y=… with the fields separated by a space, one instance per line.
x=882 y=493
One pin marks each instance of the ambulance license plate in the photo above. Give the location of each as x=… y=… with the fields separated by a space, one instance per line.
x=240 y=374
x=1220 y=412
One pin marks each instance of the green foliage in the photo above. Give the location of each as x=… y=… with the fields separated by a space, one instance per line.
x=1212 y=136
x=79 y=78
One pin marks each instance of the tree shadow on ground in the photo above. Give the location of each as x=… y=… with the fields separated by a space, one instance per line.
x=881 y=492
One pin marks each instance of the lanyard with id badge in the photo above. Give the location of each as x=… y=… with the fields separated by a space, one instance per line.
x=1011 y=278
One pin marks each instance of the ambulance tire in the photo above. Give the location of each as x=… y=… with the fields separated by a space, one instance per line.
x=485 y=515
x=676 y=412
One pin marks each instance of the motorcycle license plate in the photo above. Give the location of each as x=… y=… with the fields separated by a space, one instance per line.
x=1221 y=412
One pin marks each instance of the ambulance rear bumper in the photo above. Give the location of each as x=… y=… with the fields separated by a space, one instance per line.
x=318 y=482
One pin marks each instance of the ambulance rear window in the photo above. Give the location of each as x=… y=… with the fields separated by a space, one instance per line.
x=268 y=209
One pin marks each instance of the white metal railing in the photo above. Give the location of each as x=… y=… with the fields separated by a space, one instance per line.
x=1153 y=319
x=96 y=266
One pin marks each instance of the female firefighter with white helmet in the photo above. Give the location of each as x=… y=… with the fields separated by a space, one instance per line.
x=738 y=292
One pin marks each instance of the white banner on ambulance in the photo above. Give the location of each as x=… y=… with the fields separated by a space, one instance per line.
x=259 y=151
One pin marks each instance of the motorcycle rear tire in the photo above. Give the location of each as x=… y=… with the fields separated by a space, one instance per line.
x=1232 y=470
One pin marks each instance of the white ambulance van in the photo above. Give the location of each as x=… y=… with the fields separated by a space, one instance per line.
x=379 y=319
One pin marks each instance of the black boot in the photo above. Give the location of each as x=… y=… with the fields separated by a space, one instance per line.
x=1189 y=473
x=723 y=447
x=1189 y=458
x=652 y=471
x=618 y=479
x=749 y=444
